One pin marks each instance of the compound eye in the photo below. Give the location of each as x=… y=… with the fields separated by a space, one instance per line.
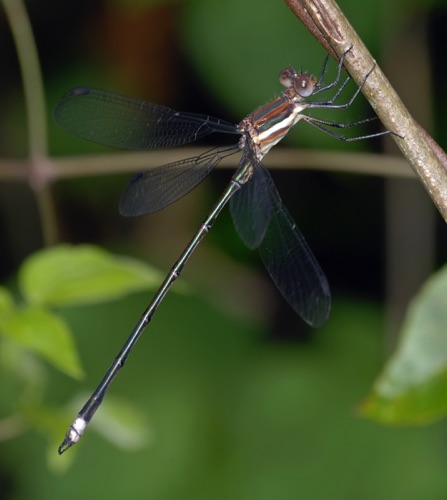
x=304 y=84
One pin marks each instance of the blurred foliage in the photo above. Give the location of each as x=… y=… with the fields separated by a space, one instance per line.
x=412 y=389
x=61 y=276
x=256 y=50
x=222 y=412
x=66 y=275
x=230 y=416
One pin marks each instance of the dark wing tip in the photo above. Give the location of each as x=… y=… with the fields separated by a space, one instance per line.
x=136 y=177
x=127 y=206
x=79 y=91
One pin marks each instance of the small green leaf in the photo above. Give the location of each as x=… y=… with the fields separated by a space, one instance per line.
x=67 y=275
x=412 y=389
x=44 y=333
x=6 y=300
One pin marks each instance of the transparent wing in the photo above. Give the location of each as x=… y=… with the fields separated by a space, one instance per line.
x=291 y=263
x=155 y=189
x=250 y=208
x=128 y=123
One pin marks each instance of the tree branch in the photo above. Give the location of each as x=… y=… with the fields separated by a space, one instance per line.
x=330 y=27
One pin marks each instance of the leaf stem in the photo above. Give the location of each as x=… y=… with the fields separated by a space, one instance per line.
x=39 y=173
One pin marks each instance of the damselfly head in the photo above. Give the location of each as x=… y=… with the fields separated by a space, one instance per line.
x=302 y=83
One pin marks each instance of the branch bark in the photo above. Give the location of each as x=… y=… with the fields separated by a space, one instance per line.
x=325 y=20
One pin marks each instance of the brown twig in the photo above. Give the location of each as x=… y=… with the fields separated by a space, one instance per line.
x=70 y=167
x=331 y=28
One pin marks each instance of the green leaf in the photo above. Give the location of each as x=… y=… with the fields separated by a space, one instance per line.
x=67 y=275
x=413 y=386
x=44 y=333
x=6 y=300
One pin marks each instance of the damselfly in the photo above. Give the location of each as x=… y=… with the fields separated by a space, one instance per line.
x=259 y=215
